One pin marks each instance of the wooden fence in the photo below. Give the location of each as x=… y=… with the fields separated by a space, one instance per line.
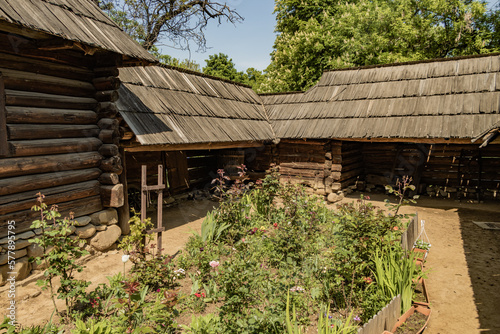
x=385 y=319
x=411 y=234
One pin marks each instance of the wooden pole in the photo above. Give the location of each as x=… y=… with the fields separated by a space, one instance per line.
x=159 y=219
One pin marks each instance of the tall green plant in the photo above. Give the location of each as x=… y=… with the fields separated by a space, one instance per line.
x=61 y=253
x=394 y=274
x=211 y=228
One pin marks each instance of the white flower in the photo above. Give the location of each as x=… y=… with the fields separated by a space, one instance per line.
x=214 y=264
x=125 y=258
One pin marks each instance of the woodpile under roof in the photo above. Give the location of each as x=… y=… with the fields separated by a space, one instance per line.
x=167 y=106
x=79 y=21
x=452 y=98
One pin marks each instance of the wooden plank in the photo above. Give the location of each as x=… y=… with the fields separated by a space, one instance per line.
x=47 y=180
x=10 y=167
x=109 y=178
x=73 y=192
x=32 y=131
x=24 y=219
x=53 y=146
x=30 y=115
x=178 y=174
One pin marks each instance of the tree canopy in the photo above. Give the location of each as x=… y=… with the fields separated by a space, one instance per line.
x=314 y=35
x=179 y=21
x=220 y=65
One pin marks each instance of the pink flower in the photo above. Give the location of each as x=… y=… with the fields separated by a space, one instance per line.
x=367 y=197
x=214 y=264
x=275 y=225
x=395 y=228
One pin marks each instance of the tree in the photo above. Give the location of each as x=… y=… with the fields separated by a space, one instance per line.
x=180 y=21
x=314 y=35
x=221 y=66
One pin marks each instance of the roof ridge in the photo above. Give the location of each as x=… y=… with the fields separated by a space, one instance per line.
x=201 y=74
x=414 y=62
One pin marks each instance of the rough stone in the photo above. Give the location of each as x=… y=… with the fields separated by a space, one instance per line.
x=81 y=221
x=451 y=189
x=105 y=217
x=22 y=269
x=20 y=244
x=85 y=232
x=348 y=191
x=360 y=185
x=104 y=240
x=34 y=250
x=26 y=235
x=333 y=198
x=100 y=228
x=17 y=254
x=443 y=193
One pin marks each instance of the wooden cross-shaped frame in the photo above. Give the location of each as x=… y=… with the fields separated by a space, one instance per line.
x=159 y=189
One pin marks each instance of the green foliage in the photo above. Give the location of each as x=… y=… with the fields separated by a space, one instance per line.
x=91 y=326
x=208 y=324
x=136 y=241
x=394 y=273
x=211 y=230
x=61 y=253
x=221 y=66
x=314 y=36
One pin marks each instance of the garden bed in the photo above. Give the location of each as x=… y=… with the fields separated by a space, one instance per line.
x=257 y=267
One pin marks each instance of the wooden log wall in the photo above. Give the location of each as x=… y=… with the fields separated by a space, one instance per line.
x=202 y=168
x=52 y=132
x=106 y=85
x=304 y=162
x=460 y=170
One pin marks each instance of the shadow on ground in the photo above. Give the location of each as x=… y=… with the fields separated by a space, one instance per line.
x=482 y=253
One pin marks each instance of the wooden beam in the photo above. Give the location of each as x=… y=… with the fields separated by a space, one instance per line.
x=29 y=115
x=410 y=140
x=43 y=100
x=49 y=131
x=47 y=180
x=135 y=147
x=72 y=192
x=26 y=148
x=112 y=195
x=10 y=167
x=124 y=210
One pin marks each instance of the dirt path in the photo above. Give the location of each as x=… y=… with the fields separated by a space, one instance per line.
x=464 y=260
x=35 y=307
x=464 y=265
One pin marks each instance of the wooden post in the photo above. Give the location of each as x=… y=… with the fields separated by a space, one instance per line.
x=159 y=220
x=159 y=189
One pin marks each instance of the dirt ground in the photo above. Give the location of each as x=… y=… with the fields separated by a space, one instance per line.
x=464 y=264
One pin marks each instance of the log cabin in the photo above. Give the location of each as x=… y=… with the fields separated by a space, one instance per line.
x=190 y=122
x=59 y=83
x=379 y=123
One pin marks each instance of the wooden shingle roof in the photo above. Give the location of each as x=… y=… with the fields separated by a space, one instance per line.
x=167 y=106
x=451 y=98
x=79 y=21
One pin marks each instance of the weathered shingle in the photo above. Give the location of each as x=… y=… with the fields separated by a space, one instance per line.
x=75 y=20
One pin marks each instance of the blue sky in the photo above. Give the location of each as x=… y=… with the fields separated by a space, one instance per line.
x=249 y=43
